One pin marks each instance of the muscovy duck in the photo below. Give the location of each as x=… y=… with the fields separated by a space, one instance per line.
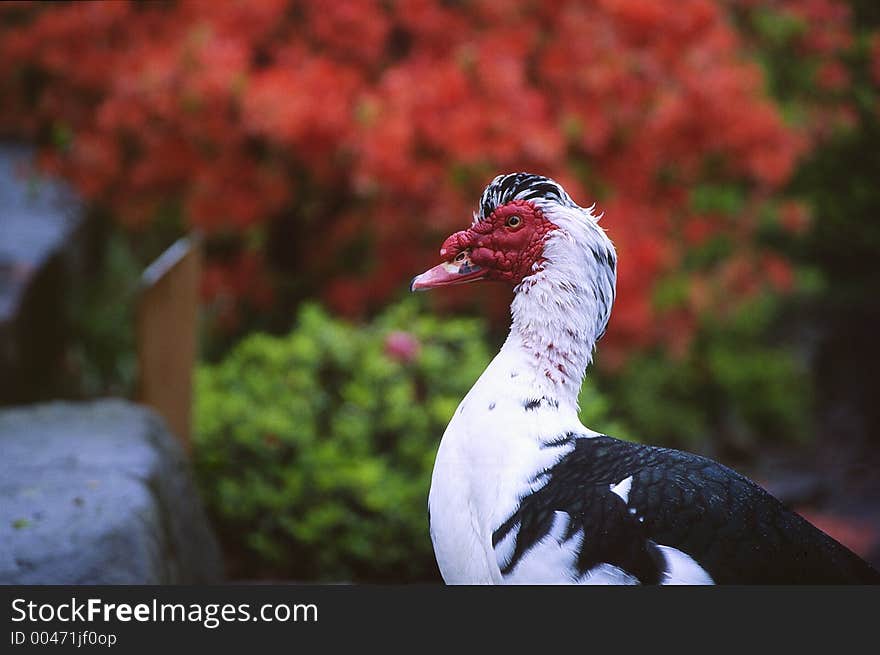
x=523 y=493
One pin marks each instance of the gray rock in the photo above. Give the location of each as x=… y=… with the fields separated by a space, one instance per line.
x=99 y=493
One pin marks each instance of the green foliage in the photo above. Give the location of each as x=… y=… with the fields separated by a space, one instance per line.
x=777 y=29
x=596 y=411
x=717 y=198
x=731 y=390
x=315 y=449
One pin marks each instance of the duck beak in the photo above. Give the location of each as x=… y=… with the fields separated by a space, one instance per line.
x=449 y=273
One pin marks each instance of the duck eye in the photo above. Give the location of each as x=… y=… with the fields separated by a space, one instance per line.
x=460 y=256
x=513 y=221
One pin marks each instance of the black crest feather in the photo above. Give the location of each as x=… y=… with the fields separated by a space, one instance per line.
x=521 y=186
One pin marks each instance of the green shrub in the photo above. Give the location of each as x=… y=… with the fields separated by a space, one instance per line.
x=733 y=390
x=315 y=449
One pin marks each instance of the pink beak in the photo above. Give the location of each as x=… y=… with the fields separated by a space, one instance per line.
x=448 y=273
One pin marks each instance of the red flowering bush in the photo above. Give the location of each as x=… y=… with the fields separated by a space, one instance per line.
x=338 y=143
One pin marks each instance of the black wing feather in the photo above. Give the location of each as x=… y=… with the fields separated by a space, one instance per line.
x=730 y=526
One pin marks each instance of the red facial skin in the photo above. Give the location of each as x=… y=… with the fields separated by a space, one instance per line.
x=505 y=251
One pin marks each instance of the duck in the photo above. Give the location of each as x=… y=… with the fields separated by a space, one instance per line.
x=523 y=493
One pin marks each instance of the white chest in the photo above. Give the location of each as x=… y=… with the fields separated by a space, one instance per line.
x=488 y=459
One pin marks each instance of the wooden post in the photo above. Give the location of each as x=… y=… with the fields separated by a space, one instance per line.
x=167 y=325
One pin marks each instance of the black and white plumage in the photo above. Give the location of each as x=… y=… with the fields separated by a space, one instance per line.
x=522 y=492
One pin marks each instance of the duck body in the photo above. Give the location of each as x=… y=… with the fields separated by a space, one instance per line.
x=523 y=493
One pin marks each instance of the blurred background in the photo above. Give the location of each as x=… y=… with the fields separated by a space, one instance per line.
x=215 y=208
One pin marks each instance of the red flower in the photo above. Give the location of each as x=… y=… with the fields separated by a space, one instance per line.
x=363 y=132
x=779 y=272
x=794 y=217
x=833 y=76
x=402 y=346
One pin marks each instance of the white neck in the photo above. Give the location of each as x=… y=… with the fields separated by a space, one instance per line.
x=561 y=310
